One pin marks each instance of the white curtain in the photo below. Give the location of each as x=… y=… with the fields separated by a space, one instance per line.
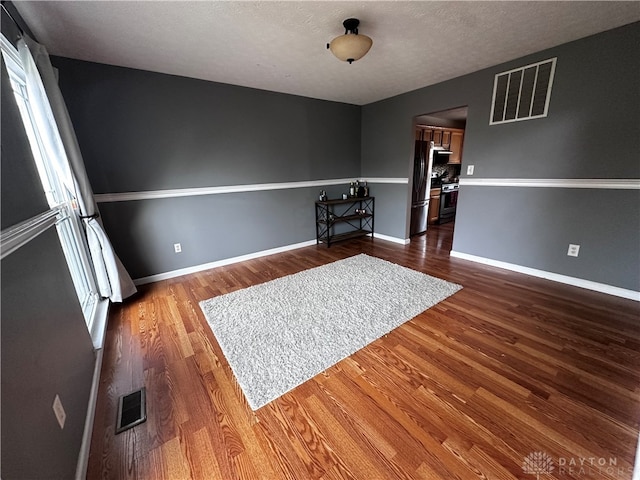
x=42 y=86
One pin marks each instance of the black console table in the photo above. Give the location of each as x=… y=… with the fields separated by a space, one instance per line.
x=343 y=219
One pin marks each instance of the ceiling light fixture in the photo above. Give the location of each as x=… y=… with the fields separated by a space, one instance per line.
x=351 y=46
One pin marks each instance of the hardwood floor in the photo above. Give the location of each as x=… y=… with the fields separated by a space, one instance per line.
x=509 y=366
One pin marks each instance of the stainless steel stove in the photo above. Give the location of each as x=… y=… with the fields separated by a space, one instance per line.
x=448 y=202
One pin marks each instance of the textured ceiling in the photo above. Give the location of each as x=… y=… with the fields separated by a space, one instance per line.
x=281 y=46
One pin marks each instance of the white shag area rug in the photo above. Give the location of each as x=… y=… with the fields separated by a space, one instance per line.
x=279 y=334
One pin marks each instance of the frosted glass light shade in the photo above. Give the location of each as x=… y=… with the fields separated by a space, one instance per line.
x=350 y=47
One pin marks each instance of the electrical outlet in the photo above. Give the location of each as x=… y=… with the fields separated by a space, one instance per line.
x=469 y=169
x=177 y=247
x=573 y=250
x=58 y=409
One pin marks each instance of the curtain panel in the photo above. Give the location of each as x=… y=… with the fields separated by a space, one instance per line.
x=42 y=84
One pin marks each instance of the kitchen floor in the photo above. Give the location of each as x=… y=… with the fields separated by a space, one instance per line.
x=439 y=238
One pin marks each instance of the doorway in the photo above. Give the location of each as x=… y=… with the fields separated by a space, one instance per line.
x=438 y=159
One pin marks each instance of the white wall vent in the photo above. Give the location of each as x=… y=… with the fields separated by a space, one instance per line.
x=522 y=93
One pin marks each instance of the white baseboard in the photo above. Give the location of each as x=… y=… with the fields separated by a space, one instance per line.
x=228 y=261
x=556 y=277
x=83 y=456
x=219 y=263
x=401 y=241
x=98 y=334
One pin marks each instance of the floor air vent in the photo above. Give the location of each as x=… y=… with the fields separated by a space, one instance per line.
x=132 y=410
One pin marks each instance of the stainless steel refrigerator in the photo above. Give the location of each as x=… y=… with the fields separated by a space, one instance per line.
x=422 y=164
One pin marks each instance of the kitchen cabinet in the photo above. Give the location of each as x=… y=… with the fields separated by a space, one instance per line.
x=440 y=136
x=429 y=134
x=450 y=138
x=436 y=136
x=446 y=138
x=434 y=206
x=424 y=134
x=456 y=146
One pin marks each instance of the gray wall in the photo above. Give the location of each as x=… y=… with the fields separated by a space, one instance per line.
x=45 y=346
x=46 y=350
x=209 y=227
x=591 y=131
x=539 y=237
x=142 y=131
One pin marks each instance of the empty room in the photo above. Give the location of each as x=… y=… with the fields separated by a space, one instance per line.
x=320 y=240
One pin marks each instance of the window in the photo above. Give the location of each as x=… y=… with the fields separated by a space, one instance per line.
x=57 y=182
x=522 y=93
